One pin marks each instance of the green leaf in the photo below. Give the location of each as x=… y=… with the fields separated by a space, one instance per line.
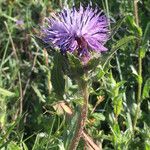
x=117 y=26
x=146 y=34
x=146 y=89
x=117 y=104
x=142 y=51
x=98 y=116
x=121 y=42
x=116 y=129
x=134 y=70
x=137 y=77
x=92 y=64
x=37 y=91
x=13 y=146
x=134 y=26
x=24 y=146
x=9 y=130
x=147 y=146
x=5 y=92
x=129 y=122
x=101 y=73
x=57 y=75
x=106 y=58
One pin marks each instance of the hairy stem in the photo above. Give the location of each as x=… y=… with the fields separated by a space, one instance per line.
x=82 y=117
x=139 y=69
x=136 y=12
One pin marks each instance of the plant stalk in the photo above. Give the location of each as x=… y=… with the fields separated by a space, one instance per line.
x=139 y=92
x=82 y=117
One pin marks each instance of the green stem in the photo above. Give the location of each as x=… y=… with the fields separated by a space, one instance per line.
x=82 y=117
x=139 y=69
x=139 y=93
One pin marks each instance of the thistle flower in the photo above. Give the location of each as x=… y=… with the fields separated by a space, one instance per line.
x=80 y=32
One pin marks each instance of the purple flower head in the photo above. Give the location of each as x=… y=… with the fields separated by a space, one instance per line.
x=80 y=32
x=19 y=22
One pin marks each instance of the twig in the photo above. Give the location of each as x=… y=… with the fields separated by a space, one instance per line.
x=89 y=142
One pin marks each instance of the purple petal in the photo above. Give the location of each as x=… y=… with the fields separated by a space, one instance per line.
x=82 y=30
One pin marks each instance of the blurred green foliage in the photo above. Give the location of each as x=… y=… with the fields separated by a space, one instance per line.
x=31 y=118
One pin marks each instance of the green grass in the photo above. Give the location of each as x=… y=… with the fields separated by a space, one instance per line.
x=31 y=117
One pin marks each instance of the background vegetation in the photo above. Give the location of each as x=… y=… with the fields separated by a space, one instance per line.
x=34 y=117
